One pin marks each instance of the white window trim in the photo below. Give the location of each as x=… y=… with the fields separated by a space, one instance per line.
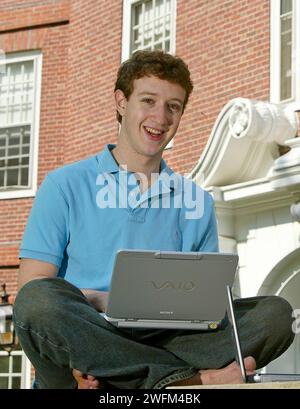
x=36 y=56
x=127 y=4
x=275 y=54
x=25 y=374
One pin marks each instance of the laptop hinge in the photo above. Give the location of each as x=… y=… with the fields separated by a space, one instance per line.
x=182 y=256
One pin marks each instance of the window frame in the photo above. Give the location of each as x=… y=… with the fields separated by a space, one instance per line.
x=24 y=375
x=36 y=57
x=126 y=29
x=275 y=45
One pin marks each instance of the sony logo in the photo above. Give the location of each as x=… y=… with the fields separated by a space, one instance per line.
x=180 y=285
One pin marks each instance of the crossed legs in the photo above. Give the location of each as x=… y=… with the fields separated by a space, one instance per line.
x=59 y=331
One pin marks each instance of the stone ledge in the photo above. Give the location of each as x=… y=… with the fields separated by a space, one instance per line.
x=269 y=385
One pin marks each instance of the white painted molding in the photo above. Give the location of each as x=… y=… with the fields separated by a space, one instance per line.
x=227 y=244
x=125 y=52
x=295 y=211
x=37 y=58
x=17 y=194
x=286 y=169
x=280 y=273
x=243 y=142
x=275 y=53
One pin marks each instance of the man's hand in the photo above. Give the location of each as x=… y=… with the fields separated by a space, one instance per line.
x=85 y=381
x=98 y=299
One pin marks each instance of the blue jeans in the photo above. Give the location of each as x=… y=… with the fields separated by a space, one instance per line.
x=59 y=330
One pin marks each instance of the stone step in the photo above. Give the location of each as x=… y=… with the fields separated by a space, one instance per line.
x=269 y=385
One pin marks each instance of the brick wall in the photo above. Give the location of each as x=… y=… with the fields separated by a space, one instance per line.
x=94 y=57
x=22 y=15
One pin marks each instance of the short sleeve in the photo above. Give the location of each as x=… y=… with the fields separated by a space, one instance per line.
x=209 y=241
x=47 y=231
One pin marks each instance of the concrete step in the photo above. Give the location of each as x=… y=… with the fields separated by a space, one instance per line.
x=269 y=385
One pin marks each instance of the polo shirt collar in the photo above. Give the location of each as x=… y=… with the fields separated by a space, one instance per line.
x=107 y=163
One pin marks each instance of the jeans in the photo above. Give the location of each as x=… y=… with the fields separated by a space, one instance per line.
x=59 y=330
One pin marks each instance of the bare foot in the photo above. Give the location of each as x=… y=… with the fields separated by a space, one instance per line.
x=85 y=381
x=231 y=374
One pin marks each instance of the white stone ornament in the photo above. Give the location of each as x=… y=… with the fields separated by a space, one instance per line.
x=244 y=142
x=262 y=121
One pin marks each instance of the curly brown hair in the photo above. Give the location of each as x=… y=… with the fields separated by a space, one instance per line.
x=153 y=63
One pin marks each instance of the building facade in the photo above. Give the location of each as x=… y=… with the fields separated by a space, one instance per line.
x=58 y=64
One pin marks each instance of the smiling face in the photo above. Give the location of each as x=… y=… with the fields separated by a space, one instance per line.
x=150 y=116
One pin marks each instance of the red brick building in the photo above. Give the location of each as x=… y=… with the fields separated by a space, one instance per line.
x=59 y=61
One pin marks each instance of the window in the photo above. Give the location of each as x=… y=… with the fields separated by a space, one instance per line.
x=285 y=52
x=148 y=25
x=19 y=123
x=14 y=370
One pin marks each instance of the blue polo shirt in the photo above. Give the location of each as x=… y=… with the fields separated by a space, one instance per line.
x=85 y=212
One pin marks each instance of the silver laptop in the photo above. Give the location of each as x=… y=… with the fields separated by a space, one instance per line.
x=259 y=377
x=171 y=290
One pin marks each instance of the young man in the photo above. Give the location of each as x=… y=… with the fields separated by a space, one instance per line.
x=84 y=213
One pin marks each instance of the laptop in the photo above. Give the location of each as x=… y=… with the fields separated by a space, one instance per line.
x=259 y=377
x=170 y=290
